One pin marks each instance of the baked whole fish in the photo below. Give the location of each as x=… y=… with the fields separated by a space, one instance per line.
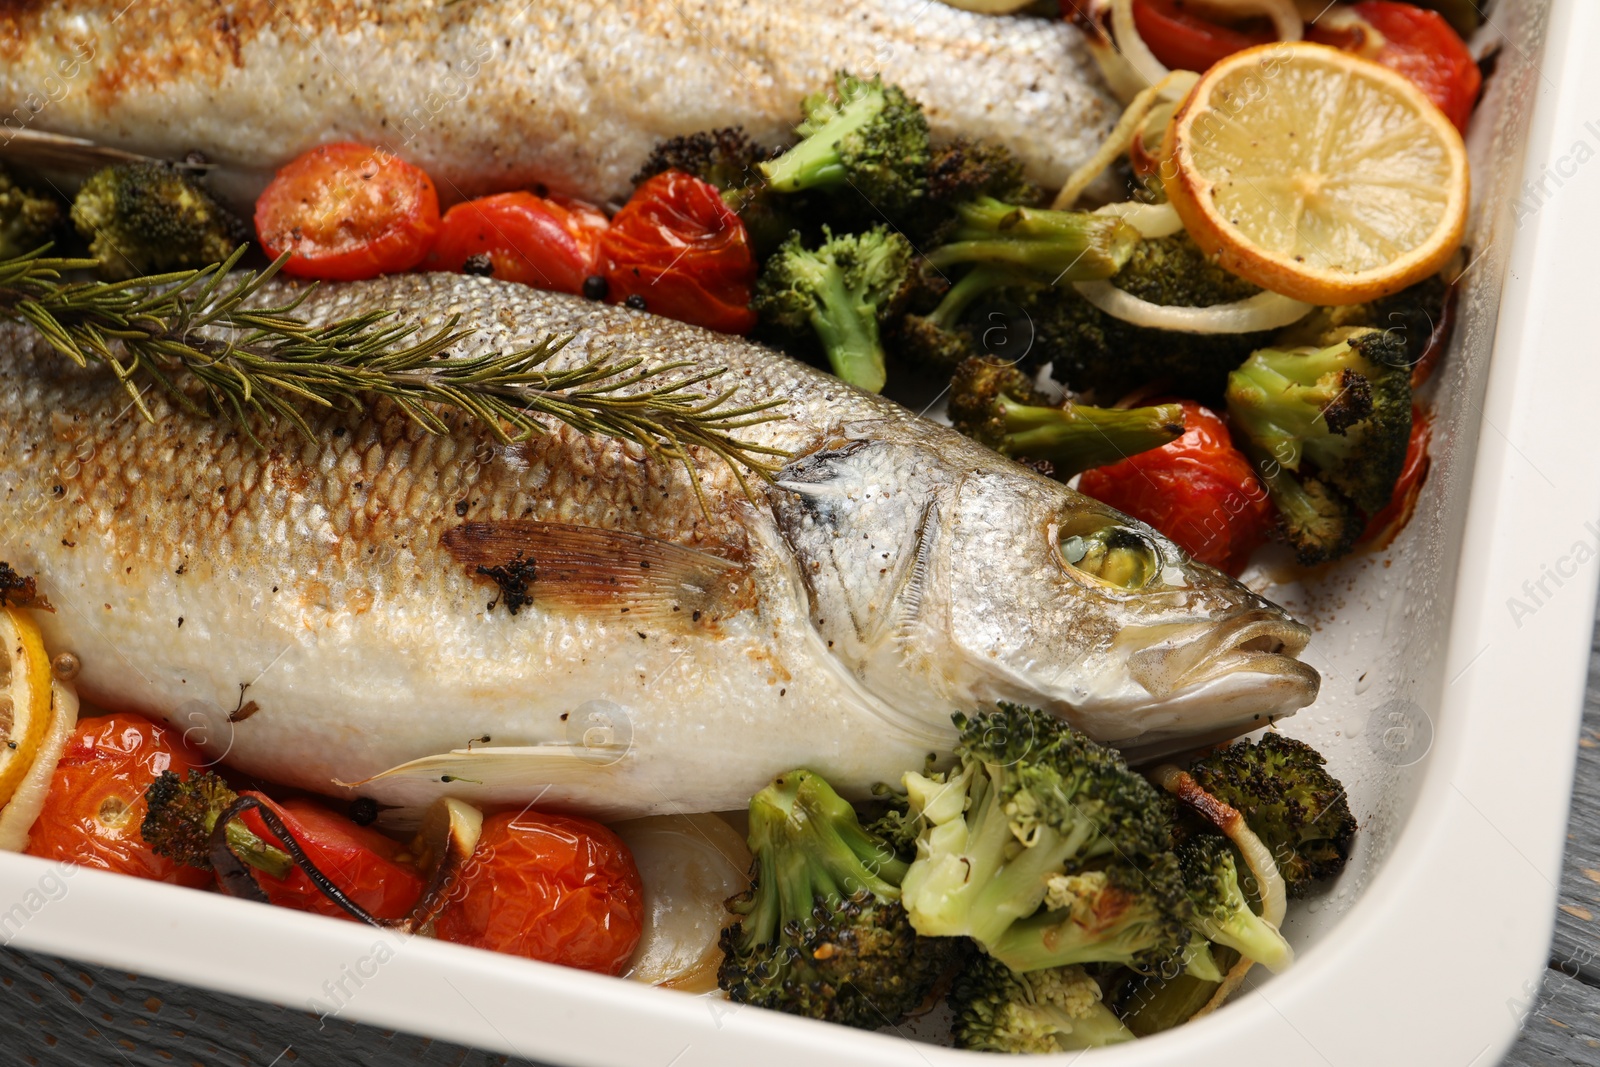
x=489 y=95
x=326 y=610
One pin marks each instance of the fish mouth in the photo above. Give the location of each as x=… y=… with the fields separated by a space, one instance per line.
x=1255 y=642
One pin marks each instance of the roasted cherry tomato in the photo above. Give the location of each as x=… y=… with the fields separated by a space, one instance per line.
x=365 y=865
x=1383 y=526
x=92 y=813
x=1186 y=40
x=348 y=211
x=1198 y=490
x=543 y=242
x=1420 y=45
x=548 y=887
x=682 y=252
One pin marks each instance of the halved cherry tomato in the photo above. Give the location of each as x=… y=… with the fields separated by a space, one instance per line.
x=1198 y=490
x=363 y=863
x=678 y=250
x=1383 y=526
x=548 y=887
x=1185 y=40
x=1420 y=45
x=346 y=212
x=96 y=803
x=547 y=243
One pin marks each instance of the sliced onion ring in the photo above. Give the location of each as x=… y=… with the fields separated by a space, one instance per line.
x=1132 y=46
x=1173 y=86
x=20 y=813
x=1264 y=311
x=1151 y=220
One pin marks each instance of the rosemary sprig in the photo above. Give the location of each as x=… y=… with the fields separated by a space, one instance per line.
x=267 y=361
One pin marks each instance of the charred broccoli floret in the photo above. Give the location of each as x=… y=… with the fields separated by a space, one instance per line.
x=964 y=169
x=822 y=932
x=1345 y=410
x=182 y=813
x=726 y=158
x=994 y=403
x=1035 y=808
x=1122 y=913
x=27 y=219
x=863 y=134
x=1299 y=810
x=1054 y=1010
x=1221 y=913
x=142 y=218
x=840 y=291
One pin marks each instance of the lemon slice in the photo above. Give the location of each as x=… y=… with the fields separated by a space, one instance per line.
x=24 y=697
x=1317 y=174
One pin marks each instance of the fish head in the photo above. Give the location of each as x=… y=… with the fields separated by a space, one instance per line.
x=949 y=585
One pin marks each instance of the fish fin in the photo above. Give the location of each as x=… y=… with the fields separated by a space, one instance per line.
x=551 y=774
x=58 y=154
x=587 y=569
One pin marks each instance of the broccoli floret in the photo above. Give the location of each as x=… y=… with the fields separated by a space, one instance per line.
x=864 y=134
x=1049 y=247
x=27 y=219
x=1345 y=409
x=142 y=218
x=840 y=291
x=726 y=158
x=964 y=169
x=1318 y=522
x=1299 y=810
x=1055 y=1010
x=1122 y=914
x=1410 y=314
x=1221 y=913
x=994 y=403
x=1031 y=800
x=1095 y=351
x=182 y=813
x=822 y=932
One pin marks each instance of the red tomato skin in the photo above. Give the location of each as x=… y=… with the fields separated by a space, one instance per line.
x=363 y=863
x=548 y=887
x=1183 y=40
x=677 y=246
x=1423 y=47
x=546 y=243
x=92 y=814
x=348 y=211
x=1199 y=491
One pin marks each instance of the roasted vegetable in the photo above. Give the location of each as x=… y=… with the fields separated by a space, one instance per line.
x=994 y=403
x=1054 y=1010
x=1044 y=848
x=1221 y=913
x=839 y=291
x=28 y=220
x=864 y=134
x=142 y=218
x=822 y=932
x=1328 y=428
x=1283 y=789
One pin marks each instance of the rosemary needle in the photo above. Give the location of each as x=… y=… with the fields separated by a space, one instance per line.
x=267 y=361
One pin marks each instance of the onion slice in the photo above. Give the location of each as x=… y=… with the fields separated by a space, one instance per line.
x=1132 y=46
x=989 y=7
x=1173 y=86
x=1151 y=220
x=1264 y=311
x=20 y=813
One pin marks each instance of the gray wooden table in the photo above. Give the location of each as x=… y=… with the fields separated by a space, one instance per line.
x=56 y=1012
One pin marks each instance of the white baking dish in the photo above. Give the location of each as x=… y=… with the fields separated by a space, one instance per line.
x=1453 y=668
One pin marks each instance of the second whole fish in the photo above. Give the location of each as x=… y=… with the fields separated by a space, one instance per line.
x=490 y=95
x=333 y=611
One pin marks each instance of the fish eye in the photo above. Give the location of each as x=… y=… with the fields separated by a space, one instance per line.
x=1115 y=555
